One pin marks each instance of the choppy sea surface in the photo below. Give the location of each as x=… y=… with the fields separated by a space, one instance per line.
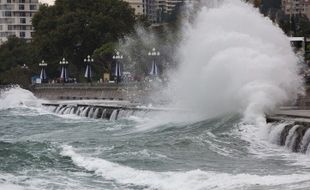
x=43 y=150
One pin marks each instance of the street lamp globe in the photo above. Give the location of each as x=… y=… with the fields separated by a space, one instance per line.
x=154 y=68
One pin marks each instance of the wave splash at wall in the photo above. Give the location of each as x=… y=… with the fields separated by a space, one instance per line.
x=232 y=58
x=17 y=97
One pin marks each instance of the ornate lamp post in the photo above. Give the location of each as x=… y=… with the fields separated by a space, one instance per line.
x=43 y=75
x=24 y=66
x=88 y=73
x=154 y=69
x=64 y=70
x=117 y=74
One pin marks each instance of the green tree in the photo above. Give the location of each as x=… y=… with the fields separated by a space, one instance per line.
x=302 y=27
x=103 y=57
x=17 y=75
x=15 y=52
x=257 y=3
x=297 y=25
x=75 y=28
x=13 y=55
x=267 y=5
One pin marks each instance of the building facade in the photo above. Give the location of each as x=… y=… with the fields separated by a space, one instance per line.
x=150 y=10
x=15 y=18
x=171 y=4
x=296 y=7
x=137 y=5
x=155 y=10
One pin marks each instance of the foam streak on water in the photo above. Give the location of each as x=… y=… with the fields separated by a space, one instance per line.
x=195 y=179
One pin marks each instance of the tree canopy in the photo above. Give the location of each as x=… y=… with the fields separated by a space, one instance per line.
x=76 y=28
x=15 y=53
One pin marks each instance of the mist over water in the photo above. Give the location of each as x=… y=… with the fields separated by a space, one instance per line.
x=234 y=59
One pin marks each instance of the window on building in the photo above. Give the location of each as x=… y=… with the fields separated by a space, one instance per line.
x=23 y=20
x=6 y=20
x=33 y=7
x=21 y=1
x=6 y=34
x=7 y=13
x=8 y=1
x=21 y=7
x=22 y=34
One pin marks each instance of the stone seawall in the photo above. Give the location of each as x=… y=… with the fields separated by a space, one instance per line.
x=293 y=128
x=109 y=110
x=135 y=92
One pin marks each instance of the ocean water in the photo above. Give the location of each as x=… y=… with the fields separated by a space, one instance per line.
x=43 y=150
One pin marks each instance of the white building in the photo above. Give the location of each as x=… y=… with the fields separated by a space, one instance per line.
x=137 y=5
x=15 y=18
x=150 y=10
x=296 y=7
x=170 y=5
x=154 y=9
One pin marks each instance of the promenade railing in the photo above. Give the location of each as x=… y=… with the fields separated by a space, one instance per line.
x=90 y=85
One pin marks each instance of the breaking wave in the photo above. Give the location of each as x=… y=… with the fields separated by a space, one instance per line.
x=15 y=97
x=232 y=59
x=195 y=179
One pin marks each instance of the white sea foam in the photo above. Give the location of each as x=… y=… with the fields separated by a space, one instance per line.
x=142 y=154
x=195 y=179
x=18 y=97
x=274 y=135
x=8 y=182
x=10 y=187
x=263 y=144
x=49 y=179
x=233 y=59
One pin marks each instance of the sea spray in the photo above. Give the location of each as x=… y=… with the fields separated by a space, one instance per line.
x=135 y=48
x=17 y=97
x=234 y=59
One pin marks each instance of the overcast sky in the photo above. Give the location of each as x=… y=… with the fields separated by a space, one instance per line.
x=50 y=2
